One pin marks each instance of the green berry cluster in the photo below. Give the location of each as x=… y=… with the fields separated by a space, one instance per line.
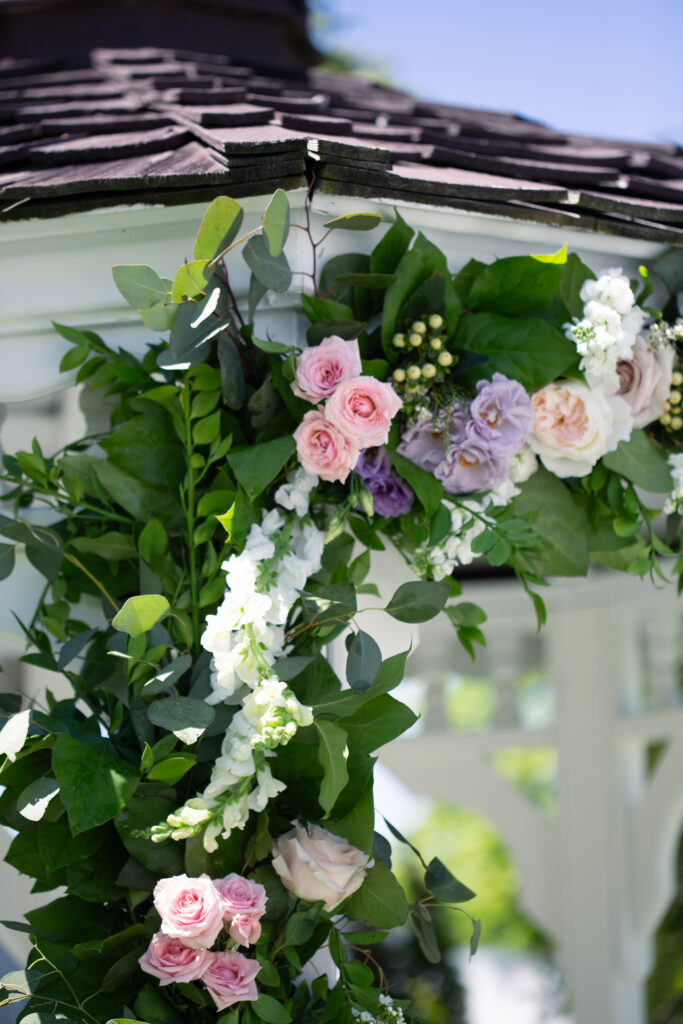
x=425 y=343
x=672 y=417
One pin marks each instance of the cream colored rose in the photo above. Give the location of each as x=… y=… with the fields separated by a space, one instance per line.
x=645 y=380
x=315 y=865
x=576 y=425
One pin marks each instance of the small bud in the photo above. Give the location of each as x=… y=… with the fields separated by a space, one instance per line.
x=414 y=372
x=399 y=340
x=676 y=422
x=399 y=375
x=428 y=371
x=436 y=344
x=677 y=378
x=435 y=321
x=675 y=397
x=415 y=340
x=419 y=326
x=411 y=390
x=665 y=419
x=445 y=359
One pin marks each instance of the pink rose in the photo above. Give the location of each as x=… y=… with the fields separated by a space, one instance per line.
x=315 y=864
x=230 y=979
x=645 y=380
x=323 y=449
x=320 y=370
x=169 y=959
x=190 y=909
x=240 y=896
x=363 y=409
x=245 y=930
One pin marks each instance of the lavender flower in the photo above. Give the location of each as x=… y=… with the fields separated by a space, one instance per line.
x=502 y=415
x=391 y=495
x=472 y=466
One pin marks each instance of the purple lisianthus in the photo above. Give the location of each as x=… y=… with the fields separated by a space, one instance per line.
x=427 y=443
x=472 y=466
x=502 y=415
x=391 y=495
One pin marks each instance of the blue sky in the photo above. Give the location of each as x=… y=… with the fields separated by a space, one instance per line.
x=595 y=67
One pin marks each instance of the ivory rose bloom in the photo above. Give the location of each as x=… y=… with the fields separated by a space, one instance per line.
x=645 y=380
x=169 y=959
x=315 y=865
x=323 y=449
x=190 y=909
x=320 y=370
x=363 y=409
x=575 y=426
x=229 y=979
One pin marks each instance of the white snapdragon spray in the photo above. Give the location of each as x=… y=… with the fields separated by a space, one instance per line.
x=245 y=637
x=674 y=503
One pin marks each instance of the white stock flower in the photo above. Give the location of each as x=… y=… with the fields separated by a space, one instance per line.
x=612 y=288
x=522 y=465
x=674 y=502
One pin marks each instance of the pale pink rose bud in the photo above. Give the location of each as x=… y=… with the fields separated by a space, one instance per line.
x=245 y=930
x=645 y=380
x=363 y=409
x=240 y=896
x=169 y=959
x=320 y=370
x=315 y=865
x=229 y=979
x=190 y=909
x=323 y=449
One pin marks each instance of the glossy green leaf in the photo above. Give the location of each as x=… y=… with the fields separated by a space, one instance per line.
x=428 y=489
x=33 y=801
x=419 y=600
x=94 y=783
x=140 y=613
x=517 y=285
x=172 y=769
x=270 y=1010
x=376 y=722
x=259 y=465
x=642 y=462
x=380 y=901
x=559 y=524
x=111 y=546
x=525 y=349
x=332 y=755
x=153 y=541
x=276 y=222
x=218 y=228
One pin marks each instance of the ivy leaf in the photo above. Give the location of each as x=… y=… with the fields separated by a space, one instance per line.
x=332 y=755
x=94 y=784
x=418 y=600
x=140 y=613
x=218 y=228
x=276 y=222
x=363 y=661
x=380 y=901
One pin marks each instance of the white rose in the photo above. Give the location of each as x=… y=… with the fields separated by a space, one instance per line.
x=645 y=380
x=575 y=426
x=315 y=865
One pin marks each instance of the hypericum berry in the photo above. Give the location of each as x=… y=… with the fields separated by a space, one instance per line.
x=675 y=397
x=415 y=339
x=677 y=378
x=428 y=371
x=435 y=321
x=665 y=419
x=419 y=326
x=413 y=372
x=676 y=422
x=444 y=359
x=436 y=344
x=399 y=375
x=399 y=340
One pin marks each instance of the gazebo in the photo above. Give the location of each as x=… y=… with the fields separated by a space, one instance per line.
x=108 y=156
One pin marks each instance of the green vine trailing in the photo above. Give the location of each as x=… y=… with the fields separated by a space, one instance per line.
x=200 y=782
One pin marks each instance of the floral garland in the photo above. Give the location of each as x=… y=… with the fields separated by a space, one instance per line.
x=518 y=412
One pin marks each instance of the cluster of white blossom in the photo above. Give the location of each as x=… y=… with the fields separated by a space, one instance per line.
x=386 y=1013
x=245 y=637
x=674 y=503
x=607 y=333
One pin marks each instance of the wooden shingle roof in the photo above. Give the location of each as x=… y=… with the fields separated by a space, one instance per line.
x=166 y=126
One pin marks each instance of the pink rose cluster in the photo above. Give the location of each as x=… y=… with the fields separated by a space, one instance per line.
x=193 y=913
x=356 y=414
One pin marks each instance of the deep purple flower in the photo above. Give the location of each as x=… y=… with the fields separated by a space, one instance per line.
x=427 y=443
x=391 y=495
x=472 y=466
x=502 y=415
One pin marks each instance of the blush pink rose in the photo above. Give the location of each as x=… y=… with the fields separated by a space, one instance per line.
x=245 y=930
x=240 y=896
x=190 y=909
x=320 y=370
x=645 y=380
x=363 y=409
x=169 y=959
x=323 y=449
x=229 y=979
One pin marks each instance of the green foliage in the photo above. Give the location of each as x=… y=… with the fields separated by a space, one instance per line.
x=525 y=349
